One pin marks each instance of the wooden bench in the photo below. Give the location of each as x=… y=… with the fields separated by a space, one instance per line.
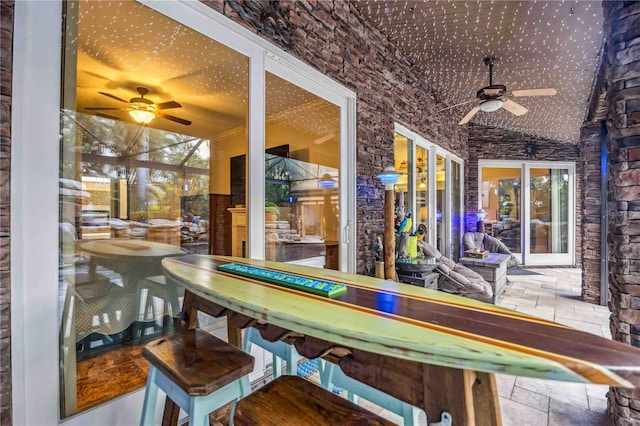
x=292 y=400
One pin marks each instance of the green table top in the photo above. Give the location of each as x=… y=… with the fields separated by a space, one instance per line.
x=408 y=322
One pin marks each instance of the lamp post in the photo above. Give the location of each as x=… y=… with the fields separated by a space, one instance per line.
x=389 y=177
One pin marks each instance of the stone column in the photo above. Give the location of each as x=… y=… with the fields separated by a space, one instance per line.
x=6 y=64
x=589 y=164
x=622 y=69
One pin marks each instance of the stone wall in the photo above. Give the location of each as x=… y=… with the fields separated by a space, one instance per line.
x=335 y=38
x=490 y=143
x=590 y=204
x=6 y=59
x=622 y=69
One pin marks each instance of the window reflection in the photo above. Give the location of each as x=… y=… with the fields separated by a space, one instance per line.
x=133 y=189
x=501 y=195
x=302 y=208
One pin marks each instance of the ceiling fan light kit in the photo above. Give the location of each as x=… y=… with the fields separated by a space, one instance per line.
x=141 y=109
x=491 y=105
x=142 y=116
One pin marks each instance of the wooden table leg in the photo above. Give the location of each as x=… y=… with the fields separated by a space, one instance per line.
x=470 y=397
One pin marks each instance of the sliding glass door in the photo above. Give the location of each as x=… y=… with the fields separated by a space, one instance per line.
x=550 y=214
x=431 y=188
x=536 y=220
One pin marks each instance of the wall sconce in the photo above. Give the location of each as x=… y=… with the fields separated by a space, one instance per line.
x=389 y=177
x=327 y=182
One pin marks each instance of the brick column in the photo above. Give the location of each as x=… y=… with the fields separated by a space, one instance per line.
x=622 y=69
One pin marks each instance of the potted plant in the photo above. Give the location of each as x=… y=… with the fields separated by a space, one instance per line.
x=271 y=211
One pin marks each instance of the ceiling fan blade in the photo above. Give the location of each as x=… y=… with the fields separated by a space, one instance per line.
x=110 y=117
x=109 y=95
x=168 y=105
x=102 y=109
x=514 y=108
x=534 y=92
x=176 y=119
x=469 y=115
x=456 y=105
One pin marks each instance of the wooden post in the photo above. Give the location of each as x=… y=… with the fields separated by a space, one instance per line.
x=389 y=234
x=379 y=270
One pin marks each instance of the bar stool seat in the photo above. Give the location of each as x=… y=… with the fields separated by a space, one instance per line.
x=292 y=400
x=198 y=371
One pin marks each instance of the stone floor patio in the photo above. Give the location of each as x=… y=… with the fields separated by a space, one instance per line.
x=553 y=294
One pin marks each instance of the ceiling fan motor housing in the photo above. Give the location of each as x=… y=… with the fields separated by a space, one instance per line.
x=492 y=92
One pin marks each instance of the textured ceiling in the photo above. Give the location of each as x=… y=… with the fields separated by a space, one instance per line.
x=541 y=44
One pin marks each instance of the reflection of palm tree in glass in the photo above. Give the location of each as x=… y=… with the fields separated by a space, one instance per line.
x=153 y=161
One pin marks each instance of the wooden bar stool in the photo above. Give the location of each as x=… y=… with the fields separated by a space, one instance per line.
x=331 y=375
x=292 y=400
x=279 y=351
x=199 y=372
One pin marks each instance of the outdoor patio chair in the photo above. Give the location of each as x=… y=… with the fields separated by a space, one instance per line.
x=456 y=278
x=482 y=241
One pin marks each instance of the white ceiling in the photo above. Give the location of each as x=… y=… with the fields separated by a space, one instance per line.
x=543 y=44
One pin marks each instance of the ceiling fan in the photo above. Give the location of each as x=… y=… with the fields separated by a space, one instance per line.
x=142 y=109
x=495 y=96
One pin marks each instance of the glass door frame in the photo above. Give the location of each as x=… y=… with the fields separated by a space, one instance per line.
x=526 y=257
x=415 y=140
x=35 y=200
x=293 y=73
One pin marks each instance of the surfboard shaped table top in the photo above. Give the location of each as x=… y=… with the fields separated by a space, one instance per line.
x=413 y=323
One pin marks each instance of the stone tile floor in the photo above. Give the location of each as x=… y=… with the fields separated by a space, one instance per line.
x=554 y=294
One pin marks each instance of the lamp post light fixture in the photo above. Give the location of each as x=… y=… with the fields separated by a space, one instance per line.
x=389 y=177
x=327 y=182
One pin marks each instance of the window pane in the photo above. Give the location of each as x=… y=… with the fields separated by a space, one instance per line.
x=501 y=195
x=302 y=205
x=456 y=210
x=441 y=218
x=402 y=147
x=549 y=210
x=422 y=189
x=132 y=193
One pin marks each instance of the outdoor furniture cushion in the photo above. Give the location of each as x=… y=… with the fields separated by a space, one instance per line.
x=482 y=241
x=456 y=278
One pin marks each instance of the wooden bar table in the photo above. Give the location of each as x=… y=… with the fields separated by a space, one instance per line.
x=433 y=350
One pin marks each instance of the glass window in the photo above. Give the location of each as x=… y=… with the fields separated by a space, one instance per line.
x=148 y=107
x=441 y=204
x=549 y=207
x=501 y=200
x=422 y=189
x=456 y=210
x=302 y=160
x=403 y=164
